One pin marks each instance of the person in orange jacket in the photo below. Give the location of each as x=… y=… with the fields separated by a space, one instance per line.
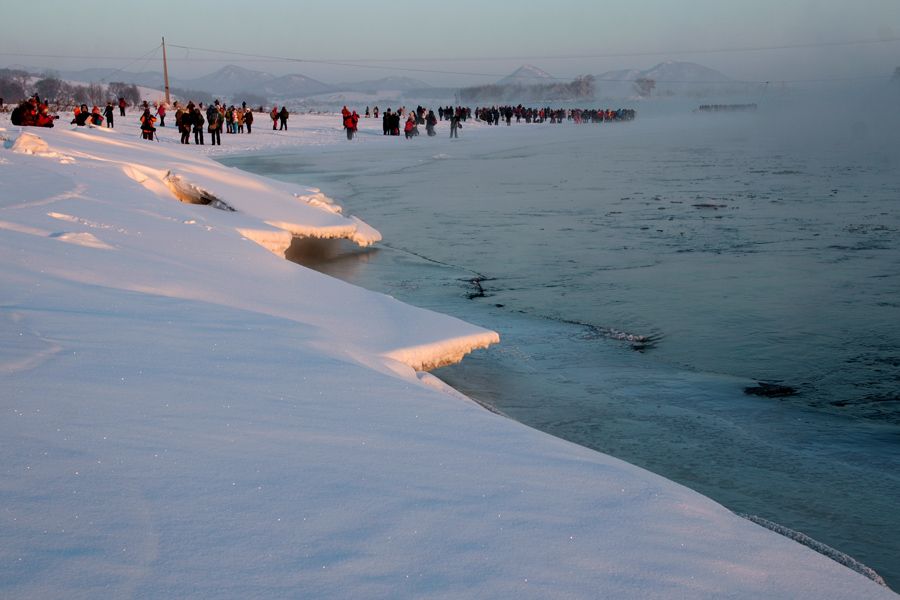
x=147 y=128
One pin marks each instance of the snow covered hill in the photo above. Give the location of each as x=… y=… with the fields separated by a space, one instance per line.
x=526 y=75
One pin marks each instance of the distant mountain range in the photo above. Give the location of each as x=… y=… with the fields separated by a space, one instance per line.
x=669 y=76
x=230 y=81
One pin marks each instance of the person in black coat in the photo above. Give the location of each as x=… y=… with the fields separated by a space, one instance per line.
x=108 y=113
x=185 y=122
x=198 y=121
x=395 y=123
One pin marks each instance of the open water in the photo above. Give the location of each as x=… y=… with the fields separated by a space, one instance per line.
x=715 y=298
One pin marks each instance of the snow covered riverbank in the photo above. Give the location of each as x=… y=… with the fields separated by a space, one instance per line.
x=186 y=414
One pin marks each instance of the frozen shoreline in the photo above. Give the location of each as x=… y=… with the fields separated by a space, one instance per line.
x=169 y=420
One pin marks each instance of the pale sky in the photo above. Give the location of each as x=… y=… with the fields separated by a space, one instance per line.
x=460 y=42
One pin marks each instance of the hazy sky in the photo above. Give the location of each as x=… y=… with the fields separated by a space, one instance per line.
x=460 y=42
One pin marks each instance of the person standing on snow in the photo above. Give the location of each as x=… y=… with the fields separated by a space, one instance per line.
x=182 y=121
x=351 y=121
x=283 y=116
x=108 y=111
x=274 y=115
x=454 y=125
x=355 y=122
x=147 y=128
x=198 y=127
x=214 y=120
x=386 y=122
x=430 y=122
x=347 y=121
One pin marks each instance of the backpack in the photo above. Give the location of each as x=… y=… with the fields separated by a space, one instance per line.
x=18 y=115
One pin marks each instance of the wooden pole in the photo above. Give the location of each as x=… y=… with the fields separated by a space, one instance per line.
x=165 y=70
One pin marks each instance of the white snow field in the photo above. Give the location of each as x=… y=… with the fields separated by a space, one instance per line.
x=185 y=414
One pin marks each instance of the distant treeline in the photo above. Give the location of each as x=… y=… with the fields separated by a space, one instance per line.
x=582 y=88
x=16 y=85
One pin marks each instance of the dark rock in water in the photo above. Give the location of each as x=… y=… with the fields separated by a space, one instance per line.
x=771 y=390
x=474 y=283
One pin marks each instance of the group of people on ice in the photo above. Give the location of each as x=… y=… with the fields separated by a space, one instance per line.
x=190 y=119
x=33 y=113
x=279 y=116
x=494 y=115
x=391 y=121
x=351 y=121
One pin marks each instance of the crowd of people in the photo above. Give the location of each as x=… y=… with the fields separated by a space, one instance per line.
x=194 y=119
x=392 y=122
x=726 y=107
x=495 y=114
x=190 y=119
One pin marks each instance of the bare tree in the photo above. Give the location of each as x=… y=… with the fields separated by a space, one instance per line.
x=50 y=89
x=583 y=87
x=11 y=90
x=130 y=92
x=80 y=95
x=643 y=87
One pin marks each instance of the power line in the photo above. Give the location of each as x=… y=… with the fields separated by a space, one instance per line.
x=346 y=62
x=151 y=53
x=372 y=63
x=368 y=63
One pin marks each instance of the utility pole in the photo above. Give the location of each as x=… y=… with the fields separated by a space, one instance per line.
x=165 y=71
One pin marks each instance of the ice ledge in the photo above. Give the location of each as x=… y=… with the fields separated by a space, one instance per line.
x=447 y=352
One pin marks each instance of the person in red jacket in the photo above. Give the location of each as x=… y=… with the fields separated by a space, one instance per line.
x=349 y=124
x=96 y=117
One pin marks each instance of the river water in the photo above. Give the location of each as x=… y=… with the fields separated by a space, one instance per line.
x=715 y=298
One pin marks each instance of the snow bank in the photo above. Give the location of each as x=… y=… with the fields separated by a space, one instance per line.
x=97 y=206
x=186 y=415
